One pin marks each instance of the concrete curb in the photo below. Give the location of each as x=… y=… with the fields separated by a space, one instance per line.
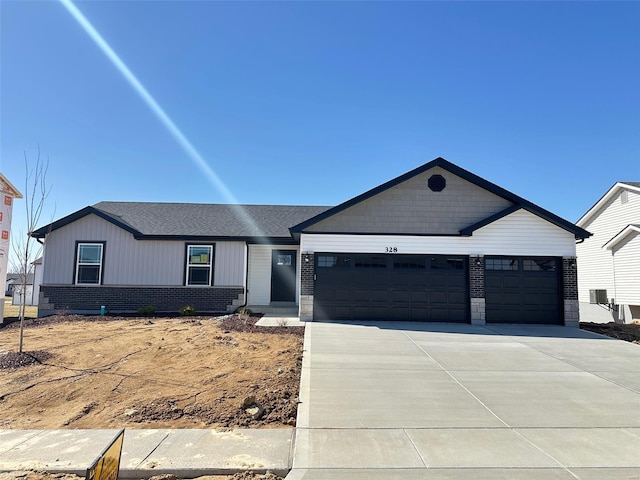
x=185 y=453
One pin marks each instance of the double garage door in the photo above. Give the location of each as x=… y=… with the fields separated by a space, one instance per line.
x=391 y=287
x=434 y=288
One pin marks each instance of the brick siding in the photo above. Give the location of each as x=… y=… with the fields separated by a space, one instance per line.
x=129 y=299
x=476 y=277
x=569 y=278
x=307 y=270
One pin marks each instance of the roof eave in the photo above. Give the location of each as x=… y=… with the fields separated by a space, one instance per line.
x=42 y=232
x=619 y=237
x=266 y=240
x=579 y=233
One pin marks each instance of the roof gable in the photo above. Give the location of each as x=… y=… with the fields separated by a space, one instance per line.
x=509 y=202
x=8 y=188
x=412 y=207
x=596 y=209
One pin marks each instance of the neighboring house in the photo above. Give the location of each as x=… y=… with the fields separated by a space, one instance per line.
x=609 y=261
x=32 y=288
x=38 y=273
x=14 y=280
x=11 y=280
x=435 y=244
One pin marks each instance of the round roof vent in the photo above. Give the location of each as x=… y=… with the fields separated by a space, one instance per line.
x=437 y=183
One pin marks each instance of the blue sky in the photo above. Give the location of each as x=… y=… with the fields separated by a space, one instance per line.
x=316 y=102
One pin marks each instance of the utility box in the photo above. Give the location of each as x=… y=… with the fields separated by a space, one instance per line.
x=598 y=296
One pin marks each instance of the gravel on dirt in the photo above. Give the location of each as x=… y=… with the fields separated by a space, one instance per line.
x=629 y=332
x=12 y=360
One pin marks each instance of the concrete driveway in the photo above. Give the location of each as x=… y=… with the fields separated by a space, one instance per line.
x=442 y=401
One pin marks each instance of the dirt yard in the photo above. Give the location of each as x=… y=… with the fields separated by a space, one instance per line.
x=629 y=332
x=190 y=372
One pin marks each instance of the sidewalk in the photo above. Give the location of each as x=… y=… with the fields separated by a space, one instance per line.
x=184 y=453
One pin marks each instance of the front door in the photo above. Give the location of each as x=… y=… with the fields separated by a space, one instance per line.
x=283 y=276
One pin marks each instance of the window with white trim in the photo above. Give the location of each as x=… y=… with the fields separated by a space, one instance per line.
x=89 y=263
x=199 y=265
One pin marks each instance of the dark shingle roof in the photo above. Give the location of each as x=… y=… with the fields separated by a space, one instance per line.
x=17 y=278
x=146 y=219
x=633 y=184
x=216 y=220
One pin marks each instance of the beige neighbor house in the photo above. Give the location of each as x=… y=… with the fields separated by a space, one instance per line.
x=437 y=244
x=609 y=261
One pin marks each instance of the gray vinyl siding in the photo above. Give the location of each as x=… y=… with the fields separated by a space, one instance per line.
x=128 y=261
x=230 y=265
x=595 y=264
x=412 y=208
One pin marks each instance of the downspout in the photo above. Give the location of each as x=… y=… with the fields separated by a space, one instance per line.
x=246 y=275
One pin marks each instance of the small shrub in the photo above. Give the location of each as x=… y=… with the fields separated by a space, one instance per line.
x=245 y=310
x=282 y=322
x=187 y=310
x=146 y=311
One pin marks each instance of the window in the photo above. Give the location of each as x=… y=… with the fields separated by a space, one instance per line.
x=333 y=261
x=284 y=260
x=199 y=262
x=370 y=262
x=325 y=261
x=501 y=264
x=89 y=263
x=444 y=263
x=199 y=265
x=409 y=263
x=539 y=265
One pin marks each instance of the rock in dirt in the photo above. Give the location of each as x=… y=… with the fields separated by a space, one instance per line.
x=254 y=476
x=248 y=402
x=165 y=476
x=255 y=412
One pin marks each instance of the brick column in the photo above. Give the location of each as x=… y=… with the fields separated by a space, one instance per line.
x=570 y=291
x=476 y=287
x=307 y=274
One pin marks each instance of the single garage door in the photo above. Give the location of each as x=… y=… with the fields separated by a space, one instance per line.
x=391 y=287
x=523 y=290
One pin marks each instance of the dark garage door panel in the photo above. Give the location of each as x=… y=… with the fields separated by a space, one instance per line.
x=400 y=287
x=524 y=296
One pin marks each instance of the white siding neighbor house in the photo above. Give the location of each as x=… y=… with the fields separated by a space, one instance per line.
x=609 y=261
x=437 y=244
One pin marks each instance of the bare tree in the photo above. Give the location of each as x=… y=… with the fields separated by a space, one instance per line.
x=25 y=248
